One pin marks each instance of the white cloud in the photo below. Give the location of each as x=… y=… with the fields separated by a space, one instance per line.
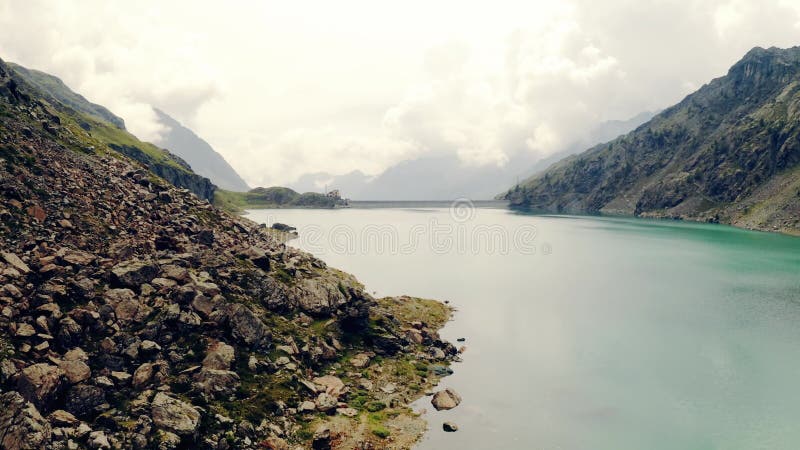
x=286 y=88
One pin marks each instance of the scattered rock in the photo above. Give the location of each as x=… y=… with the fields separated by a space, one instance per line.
x=322 y=438
x=62 y=418
x=84 y=400
x=22 y=427
x=132 y=274
x=449 y=427
x=16 y=262
x=325 y=402
x=99 y=440
x=216 y=383
x=306 y=406
x=360 y=360
x=330 y=384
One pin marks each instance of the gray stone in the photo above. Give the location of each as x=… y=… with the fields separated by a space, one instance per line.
x=446 y=399
x=174 y=415
x=246 y=327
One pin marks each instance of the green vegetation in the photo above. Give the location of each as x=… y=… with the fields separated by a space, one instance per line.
x=272 y=197
x=52 y=88
x=91 y=128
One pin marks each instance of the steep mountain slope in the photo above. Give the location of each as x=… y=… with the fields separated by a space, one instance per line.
x=204 y=160
x=54 y=89
x=108 y=129
x=730 y=152
x=446 y=177
x=135 y=315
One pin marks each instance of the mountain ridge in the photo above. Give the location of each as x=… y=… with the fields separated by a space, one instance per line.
x=710 y=157
x=446 y=177
x=204 y=160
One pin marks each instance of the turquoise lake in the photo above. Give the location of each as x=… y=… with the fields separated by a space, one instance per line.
x=589 y=333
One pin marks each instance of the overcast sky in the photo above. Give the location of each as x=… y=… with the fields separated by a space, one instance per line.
x=282 y=88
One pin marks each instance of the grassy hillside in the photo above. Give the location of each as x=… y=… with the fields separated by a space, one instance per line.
x=93 y=127
x=272 y=197
x=53 y=88
x=727 y=153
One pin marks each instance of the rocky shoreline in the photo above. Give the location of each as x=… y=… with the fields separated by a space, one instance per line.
x=134 y=315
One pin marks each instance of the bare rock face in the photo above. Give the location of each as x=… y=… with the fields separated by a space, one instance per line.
x=40 y=383
x=22 y=427
x=446 y=399
x=174 y=415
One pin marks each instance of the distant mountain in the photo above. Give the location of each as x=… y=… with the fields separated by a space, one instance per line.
x=729 y=152
x=203 y=159
x=107 y=129
x=52 y=88
x=446 y=177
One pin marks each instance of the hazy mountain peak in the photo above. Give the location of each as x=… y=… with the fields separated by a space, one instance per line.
x=204 y=160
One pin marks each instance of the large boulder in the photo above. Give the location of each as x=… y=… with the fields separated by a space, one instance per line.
x=446 y=399
x=330 y=384
x=22 y=427
x=84 y=400
x=134 y=273
x=219 y=356
x=40 y=383
x=246 y=327
x=76 y=371
x=174 y=415
x=70 y=333
x=216 y=383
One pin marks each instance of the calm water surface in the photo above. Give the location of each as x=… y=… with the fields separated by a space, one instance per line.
x=595 y=333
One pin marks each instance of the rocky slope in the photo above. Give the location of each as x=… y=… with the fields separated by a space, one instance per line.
x=204 y=160
x=54 y=90
x=728 y=153
x=134 y=315
x=109 y=130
